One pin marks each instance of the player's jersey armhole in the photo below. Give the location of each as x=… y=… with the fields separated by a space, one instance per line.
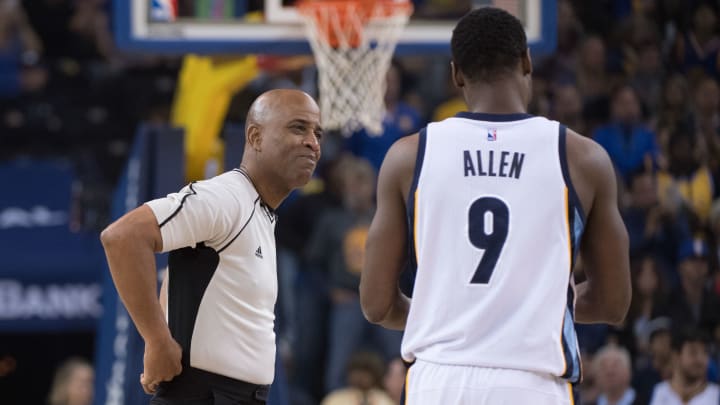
x=574 y=200
x=410 y=204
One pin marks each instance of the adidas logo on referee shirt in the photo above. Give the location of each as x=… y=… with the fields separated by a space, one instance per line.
x=258 y=252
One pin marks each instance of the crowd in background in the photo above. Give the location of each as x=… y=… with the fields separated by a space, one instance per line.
x=638 y=76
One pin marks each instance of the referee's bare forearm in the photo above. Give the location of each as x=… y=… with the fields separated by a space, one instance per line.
x=130 y=244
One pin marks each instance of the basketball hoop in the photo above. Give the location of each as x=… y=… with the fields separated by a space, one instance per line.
x=353 y=42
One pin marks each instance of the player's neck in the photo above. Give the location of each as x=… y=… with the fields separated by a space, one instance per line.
x=499 y=97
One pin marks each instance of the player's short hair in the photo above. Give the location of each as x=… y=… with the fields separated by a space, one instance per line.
x=487 y=43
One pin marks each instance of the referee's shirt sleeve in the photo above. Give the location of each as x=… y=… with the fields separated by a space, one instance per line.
x=200 y=212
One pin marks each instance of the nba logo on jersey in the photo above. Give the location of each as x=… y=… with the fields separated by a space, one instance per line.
x=163 y=10
x=492 y=134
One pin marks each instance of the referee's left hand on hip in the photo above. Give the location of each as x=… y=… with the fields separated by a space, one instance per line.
x=162 y=363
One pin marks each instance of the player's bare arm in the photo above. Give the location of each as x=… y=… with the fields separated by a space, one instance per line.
x=382 y=301
x=130 y=244
x=605 y=296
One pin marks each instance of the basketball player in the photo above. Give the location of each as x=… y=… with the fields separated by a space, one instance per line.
x=215 y=343
x=489 y=207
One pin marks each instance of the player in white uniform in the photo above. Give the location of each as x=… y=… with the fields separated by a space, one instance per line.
x=490 y=208
x=215 y=344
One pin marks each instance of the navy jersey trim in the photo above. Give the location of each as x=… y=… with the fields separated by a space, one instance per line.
x=573 y=367
x=493 y=117
x=191 y=270
x=255 y=203
x=407 y=280
x=576 y=218
x=182 y=202
x=562 y=149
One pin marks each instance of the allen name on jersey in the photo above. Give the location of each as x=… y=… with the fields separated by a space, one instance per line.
x=493 y=163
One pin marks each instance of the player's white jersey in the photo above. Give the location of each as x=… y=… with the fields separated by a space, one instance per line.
x=494 y=225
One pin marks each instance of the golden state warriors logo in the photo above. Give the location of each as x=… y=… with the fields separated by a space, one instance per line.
x=354 y=248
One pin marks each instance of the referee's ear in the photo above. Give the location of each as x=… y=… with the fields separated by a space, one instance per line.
x=253 y=137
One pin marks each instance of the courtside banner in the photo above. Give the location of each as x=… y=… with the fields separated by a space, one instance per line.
x=155 y=168
x=50 y=272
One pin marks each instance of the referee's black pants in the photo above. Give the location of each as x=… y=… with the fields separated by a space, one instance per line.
x=198 y=387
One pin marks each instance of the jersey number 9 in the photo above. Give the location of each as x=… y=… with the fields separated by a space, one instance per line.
x=488 y=221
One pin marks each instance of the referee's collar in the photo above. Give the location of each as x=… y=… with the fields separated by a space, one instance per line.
x=269 y=211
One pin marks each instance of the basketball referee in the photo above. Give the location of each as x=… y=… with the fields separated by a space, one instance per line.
x=214 y=343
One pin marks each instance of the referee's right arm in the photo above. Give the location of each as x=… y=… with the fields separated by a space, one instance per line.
x=130 y=244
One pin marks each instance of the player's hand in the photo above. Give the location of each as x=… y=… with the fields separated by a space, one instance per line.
x=162 y=363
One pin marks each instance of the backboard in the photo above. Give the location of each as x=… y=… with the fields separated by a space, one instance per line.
x=274 y=26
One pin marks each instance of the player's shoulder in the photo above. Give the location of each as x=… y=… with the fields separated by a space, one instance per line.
x=403 y=152
x=587 y=153
x=398 y=167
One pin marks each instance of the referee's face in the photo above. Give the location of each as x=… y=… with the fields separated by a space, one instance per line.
x=293 y=139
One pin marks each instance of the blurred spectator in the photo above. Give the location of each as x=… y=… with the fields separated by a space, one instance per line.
x=338 y=246
x=630 y=144
x=655 y=365
x=706 y=121
x=649 y=295
x=560 y=66
x=595 y=16
x=20 y=51
x=310 y=297
x=673 y=16
x=90 y=28
x=696 y=51
x=570 y=32
x=674 y=114
x=592 y=78
x=364 y=383
x=588 y=389
x=567 y=108
x=394 y=381
x=653 y=225
x=706 y=113
x=693 y=303
x=714 y=241
x=689 y=383
x=641 y=209
x=73 y=383
x=400 y=120
x=540 y=99
x=613 y=371
x=646 y=73
x=687 y=184
x=73 y=31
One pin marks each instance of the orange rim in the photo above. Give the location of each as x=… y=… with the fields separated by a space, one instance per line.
x=336 y=19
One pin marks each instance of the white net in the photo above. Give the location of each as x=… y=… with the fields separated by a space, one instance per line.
x=353 y=52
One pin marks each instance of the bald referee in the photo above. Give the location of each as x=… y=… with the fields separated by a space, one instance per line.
x=214 y=344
